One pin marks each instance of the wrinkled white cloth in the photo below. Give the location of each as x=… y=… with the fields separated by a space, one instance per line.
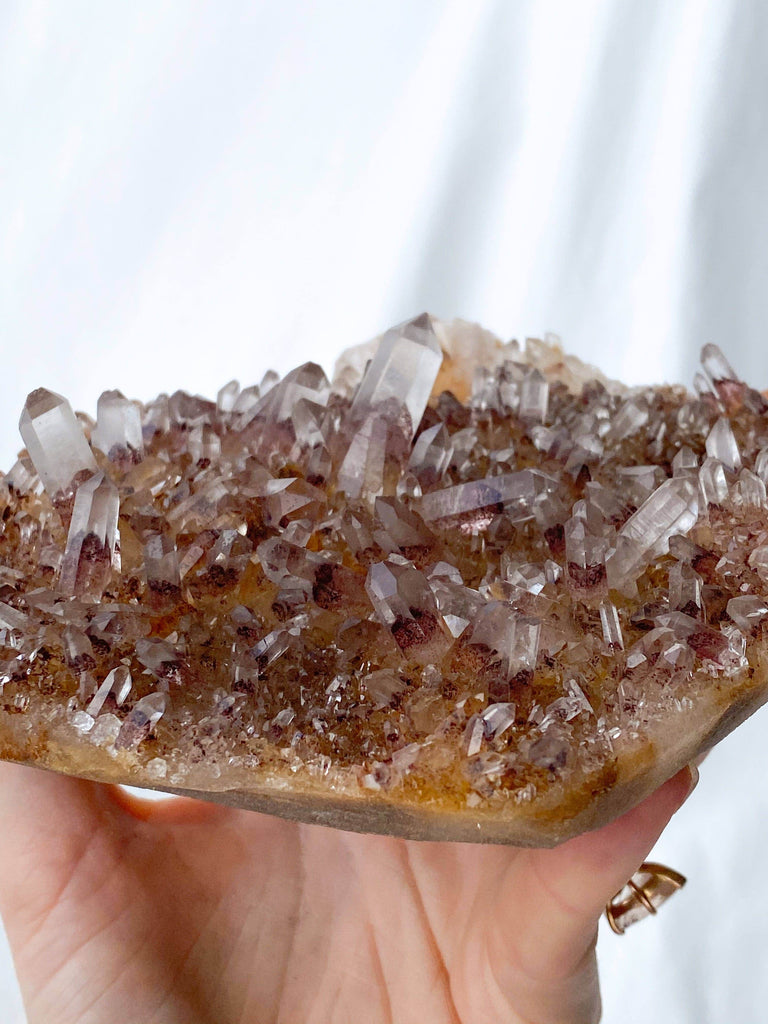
x=195 y=192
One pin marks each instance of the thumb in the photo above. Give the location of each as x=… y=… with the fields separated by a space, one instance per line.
x=559 y=896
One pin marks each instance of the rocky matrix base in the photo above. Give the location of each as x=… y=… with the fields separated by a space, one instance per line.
x=466 y=592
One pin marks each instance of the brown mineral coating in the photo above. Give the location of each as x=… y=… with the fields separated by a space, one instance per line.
x=425 y=659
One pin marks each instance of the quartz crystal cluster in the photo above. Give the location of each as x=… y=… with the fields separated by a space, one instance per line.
x=464 y=572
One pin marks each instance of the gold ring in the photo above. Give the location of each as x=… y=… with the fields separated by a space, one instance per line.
x=650 y=886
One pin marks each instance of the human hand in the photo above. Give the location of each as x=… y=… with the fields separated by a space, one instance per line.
x=124 y=911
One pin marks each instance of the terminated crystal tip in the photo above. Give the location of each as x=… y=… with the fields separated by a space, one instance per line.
x=404 y=368
x=55 y=440
x=118 y=426
x=92 y=550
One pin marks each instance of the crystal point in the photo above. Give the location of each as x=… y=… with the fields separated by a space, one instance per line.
x=403 y=601
x=144 y=716
x=721 y=445
x=118 y=426
x=671 y=509
x=404 y=368
x=55 y=440
x=93 y=549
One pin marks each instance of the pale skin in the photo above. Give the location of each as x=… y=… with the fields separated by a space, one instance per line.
x=182 y=912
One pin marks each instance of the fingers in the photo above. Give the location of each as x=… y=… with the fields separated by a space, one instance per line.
x=545 y=951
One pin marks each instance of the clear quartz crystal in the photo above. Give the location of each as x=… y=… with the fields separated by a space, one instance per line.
x=403 y=601
x=404 y=368
x=361 y=474
x=118 y=426
x=431 y=454
x=305 y=382
x=639 y=482
x=671 y=509
x=609 y=620
x=749 y=489
x=92 y=550
x=517 y=493
x=512 y=637
x=721 y=445
x=685 y=590
x=55 y=440
x=720 y=373
x=585 y=557
x=758 y=560
x=143 y=717
x=227 y=396
x=118 y=682
x=701 y=385
x=685 y=462
x=161 y=564
x=715 y=365
x=534 y=396
x=632 y=417
x=713 y=486
x=761 y=465
x=747 y=611
x=497 y=719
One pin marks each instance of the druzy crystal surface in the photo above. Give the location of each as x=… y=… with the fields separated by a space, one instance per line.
x=462 y=572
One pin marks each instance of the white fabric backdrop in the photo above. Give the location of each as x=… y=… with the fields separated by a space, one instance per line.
x=194 y=192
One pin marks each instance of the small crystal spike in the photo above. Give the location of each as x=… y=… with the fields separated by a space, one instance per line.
x=118 y=682
x=144 y=716
x=534 y=397
x=404 y=368
x=761 y=465
x=585 y=557
x=713 y=486
x=118 y=426
x=721 y=445
x=92 y=550
x=715 y=365
x=609 y=620
x=731 y=391
x=55 y=440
